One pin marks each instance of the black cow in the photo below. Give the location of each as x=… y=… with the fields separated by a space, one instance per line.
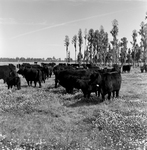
x=31 y=74
x=42 y=69
x=48 y=67
x=126 y=68
x=5 y=71
x=143 y=68
x=67 y=81
x=13 y=81
x=66 y=78
x=108 y=83
x=83 y=84
x=48 y=71
x=57 y=72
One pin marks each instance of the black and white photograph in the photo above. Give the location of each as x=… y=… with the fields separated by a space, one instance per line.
x=73 y=74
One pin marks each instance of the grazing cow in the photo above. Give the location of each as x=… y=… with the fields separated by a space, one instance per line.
x=56 y=70
x=31 y=74
x=5 y=71
x=83 y=84
x=66 y=78
x=126 y=68
x=67 y=81
x=108 y=83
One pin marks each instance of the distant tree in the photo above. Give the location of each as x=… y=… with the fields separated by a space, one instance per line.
x=109 y=54
x=85 y=38
x=86 y=55
x=66 y=44
x=138 y=53
x=22 y=59
x=104 y=44
x=90 y=42
x=96 y=46
x=74 y=41
x=123 y=53
x=80 y=41
x=17 y=59
x=143 y=34
x=134 y=36
x=129 y=57
x=114 y=33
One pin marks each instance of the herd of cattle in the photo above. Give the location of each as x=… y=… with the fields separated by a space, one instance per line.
x=88 y=78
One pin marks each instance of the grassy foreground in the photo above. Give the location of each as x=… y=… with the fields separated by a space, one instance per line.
x=48 y=119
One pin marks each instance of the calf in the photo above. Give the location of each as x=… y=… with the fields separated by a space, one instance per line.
x=13 y=81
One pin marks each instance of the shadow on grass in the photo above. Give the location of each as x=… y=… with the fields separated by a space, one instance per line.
x=93 y=100
x=131 y=96
x=58 y=91
x=29 y=86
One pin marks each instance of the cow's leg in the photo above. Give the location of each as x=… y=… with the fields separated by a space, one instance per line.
x=103 y=97
x=88 y=95
x=28 y=83
x=39 y=84
x=18 y=86
x=35 y=83
x=31 y=83
x=113 y=94
x=117 y=93
x=99 y=92
x=109 y=95
x=84 y=94
x=56 y=82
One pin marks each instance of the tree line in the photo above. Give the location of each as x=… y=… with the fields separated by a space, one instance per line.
x=98 y=49
x=22 y=59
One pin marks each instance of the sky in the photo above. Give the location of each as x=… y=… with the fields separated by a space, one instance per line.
x=37 y=28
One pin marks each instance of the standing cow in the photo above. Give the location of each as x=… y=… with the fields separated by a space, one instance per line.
x=31 y=74
x=5 y=71
x=109 y=82
x=13 y=81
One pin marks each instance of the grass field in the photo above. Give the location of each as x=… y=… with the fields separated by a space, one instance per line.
x=49 y=119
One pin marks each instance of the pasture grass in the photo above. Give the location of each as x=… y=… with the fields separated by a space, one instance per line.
x=49 y=119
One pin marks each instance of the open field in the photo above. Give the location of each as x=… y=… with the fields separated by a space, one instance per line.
x=47 y=118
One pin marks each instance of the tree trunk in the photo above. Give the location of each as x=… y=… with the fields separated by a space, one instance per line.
x=66 y=54
x=75 y=55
